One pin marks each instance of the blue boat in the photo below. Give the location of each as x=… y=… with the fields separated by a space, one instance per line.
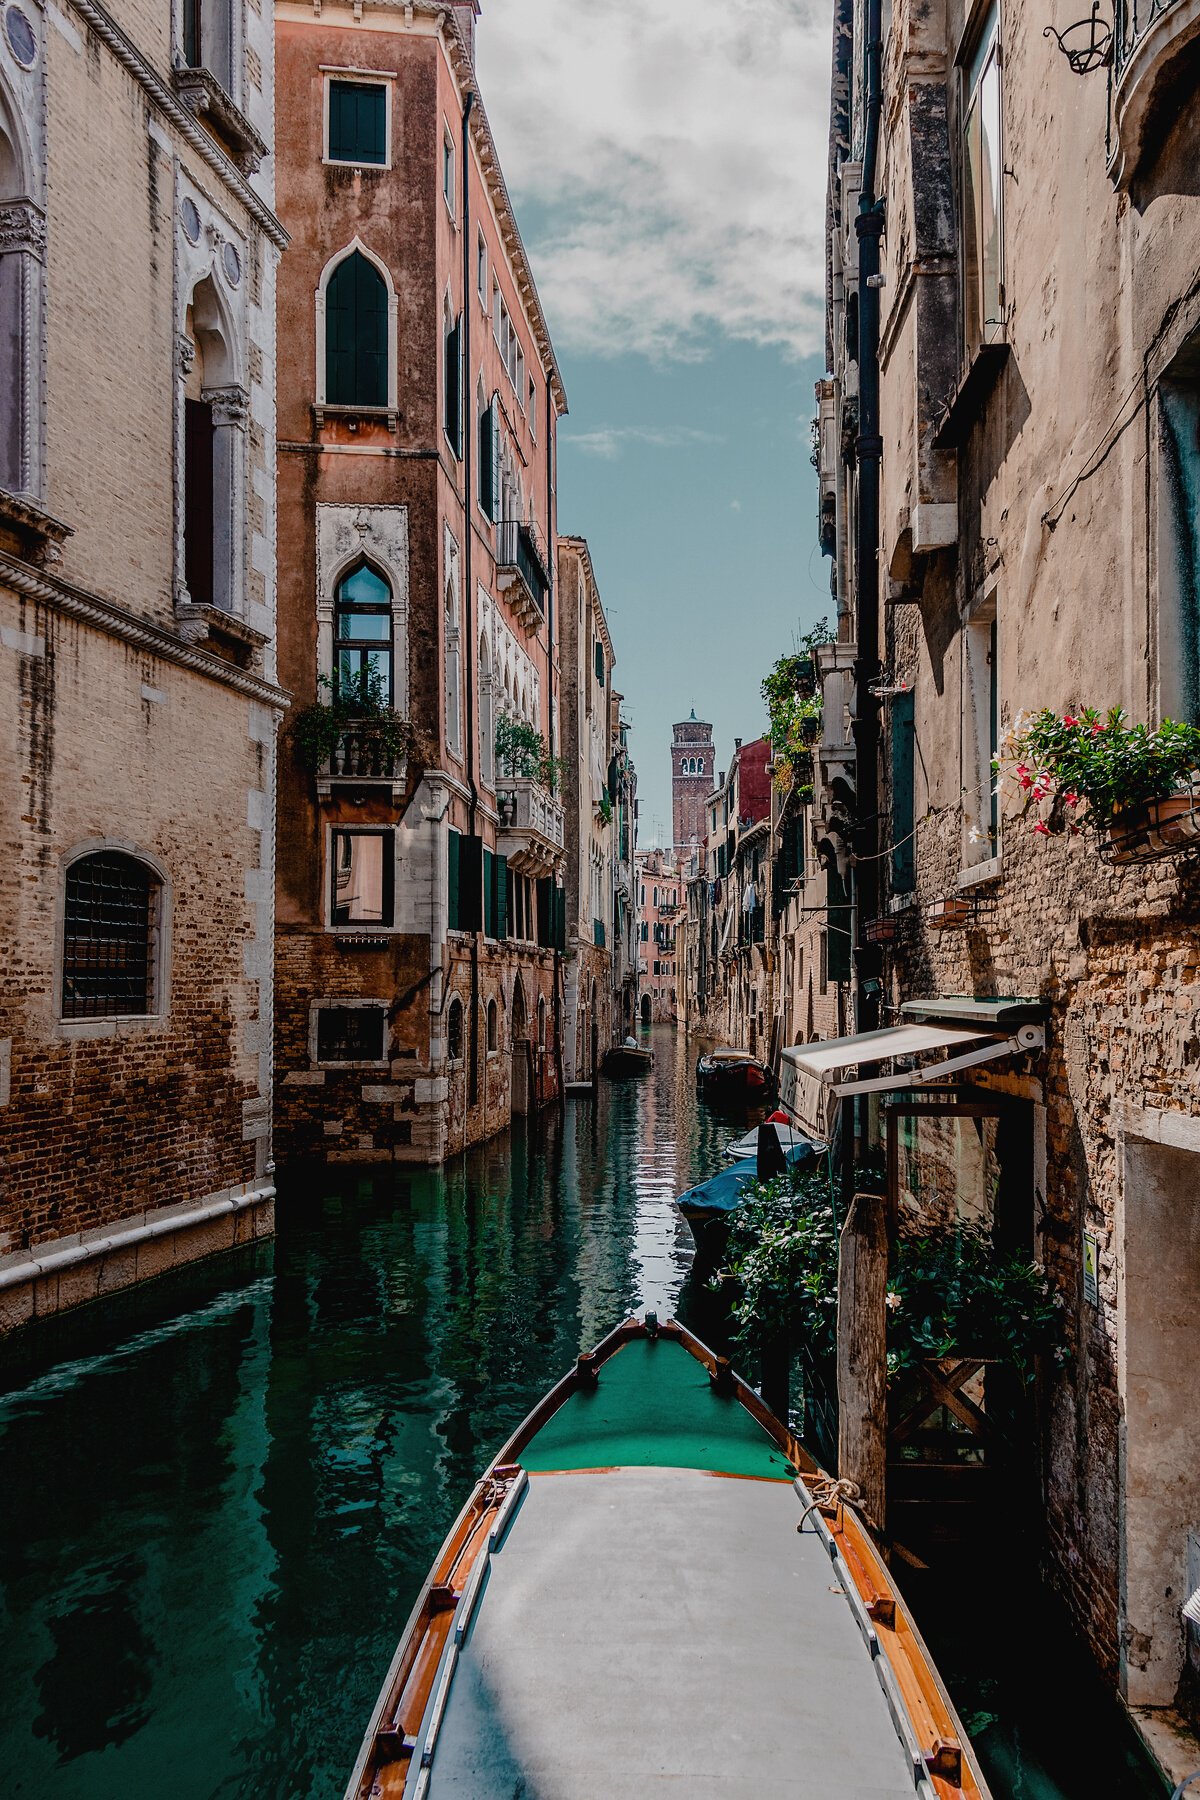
x=709 y=1207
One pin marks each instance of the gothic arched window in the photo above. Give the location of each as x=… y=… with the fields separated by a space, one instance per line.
x=356 y=334
x=362 y=637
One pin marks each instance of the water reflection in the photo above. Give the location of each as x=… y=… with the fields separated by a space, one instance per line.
x=213 y=1524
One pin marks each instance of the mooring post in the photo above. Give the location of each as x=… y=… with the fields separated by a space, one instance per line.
x=862 y=1352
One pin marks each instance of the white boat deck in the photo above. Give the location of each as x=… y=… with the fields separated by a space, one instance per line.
x=657 y=1630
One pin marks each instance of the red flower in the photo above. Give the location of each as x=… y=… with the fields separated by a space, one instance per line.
x=1097 y=727
x=1070 y=799
x=1042 y=826
x=1069 y=719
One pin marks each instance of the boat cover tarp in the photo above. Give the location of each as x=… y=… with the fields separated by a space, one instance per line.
x=722 y=1193
x=659 y=1631
x=653 y=1405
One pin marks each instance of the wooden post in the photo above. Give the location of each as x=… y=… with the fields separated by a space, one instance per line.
x=862 y=1352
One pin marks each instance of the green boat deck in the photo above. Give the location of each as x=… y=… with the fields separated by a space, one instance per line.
x=654 y=1407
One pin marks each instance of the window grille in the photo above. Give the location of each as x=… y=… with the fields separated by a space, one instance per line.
x=350 y=1034
x=108 y=937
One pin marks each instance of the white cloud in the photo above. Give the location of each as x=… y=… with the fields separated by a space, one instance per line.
x=679 y=149
x=609 y=440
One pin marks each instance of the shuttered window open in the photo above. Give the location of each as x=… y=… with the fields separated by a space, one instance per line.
x=453 y=396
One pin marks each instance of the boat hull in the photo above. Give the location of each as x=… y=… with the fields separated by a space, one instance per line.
x=624 y=1060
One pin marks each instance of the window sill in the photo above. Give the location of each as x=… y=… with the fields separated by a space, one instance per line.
x=326 y=411
x=975 y=874
x=965 y=406
x=110 y=1025
x=207 y=100
x=361 y=168
x=351 y=1068
x=30 y=533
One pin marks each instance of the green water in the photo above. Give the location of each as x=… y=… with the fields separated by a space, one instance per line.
x=217 y=1504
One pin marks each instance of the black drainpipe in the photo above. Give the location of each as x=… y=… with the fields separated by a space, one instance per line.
x=869 y=227
x=465 y=402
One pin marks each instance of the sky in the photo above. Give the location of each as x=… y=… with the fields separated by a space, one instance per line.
x=666 y=159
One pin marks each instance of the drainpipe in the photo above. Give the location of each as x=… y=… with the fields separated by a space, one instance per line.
x=868 y=226
x=472 y=659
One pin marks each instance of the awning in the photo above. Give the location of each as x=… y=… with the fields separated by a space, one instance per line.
x=810 y=1077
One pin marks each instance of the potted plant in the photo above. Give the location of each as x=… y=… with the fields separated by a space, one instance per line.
x=1137 y=786
x=353 y=726
x=950 y=914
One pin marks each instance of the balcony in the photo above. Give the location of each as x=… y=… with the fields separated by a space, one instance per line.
x=1148 y=37
x=363 y=757
x=521 y=570
x=531 y=833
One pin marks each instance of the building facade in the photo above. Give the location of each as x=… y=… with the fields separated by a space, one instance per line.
x=589 y=750
x=137 y=605
x=421 y=917
x=1036 y=547
x=659 y=901
x=626 y=921
x=693 y=771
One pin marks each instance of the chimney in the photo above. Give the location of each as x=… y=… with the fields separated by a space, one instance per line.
x=466 y=12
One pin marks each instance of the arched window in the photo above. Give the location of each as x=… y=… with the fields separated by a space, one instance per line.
x=493 y=1028
x=21 y=271
x=487 y=723
x=356 y=334
x=111 y=924
x=542 y=1023
x=453 y=666
x=362 y=638
x=215 y=411
x=454 y=1030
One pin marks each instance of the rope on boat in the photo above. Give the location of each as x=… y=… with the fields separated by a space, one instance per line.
x=825 y=1490
x=1184 y=1785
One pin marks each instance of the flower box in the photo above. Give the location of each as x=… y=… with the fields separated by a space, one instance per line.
x=1143 y=834
x=951 y=914
x=881 y=931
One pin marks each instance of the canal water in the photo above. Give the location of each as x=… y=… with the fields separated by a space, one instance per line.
x=218 y=1503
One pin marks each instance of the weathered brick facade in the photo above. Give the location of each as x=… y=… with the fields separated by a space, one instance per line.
x=472 y=1006
x=138 y=723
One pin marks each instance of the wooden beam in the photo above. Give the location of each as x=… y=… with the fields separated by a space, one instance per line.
x=862 y=1352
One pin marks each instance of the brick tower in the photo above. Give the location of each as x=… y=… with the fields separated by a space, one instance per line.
x=693 y=771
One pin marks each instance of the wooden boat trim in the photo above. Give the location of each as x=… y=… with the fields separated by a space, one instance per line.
x=943 y=1762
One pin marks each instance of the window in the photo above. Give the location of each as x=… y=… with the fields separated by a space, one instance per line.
x=454 y=1031
x=453 y=666
x=364 y=865
x=495 y=895
x=362 y=646
x=980 y=734
x=448 y=171
x=356 y=334
x=208 y=39
x=481 y=267
x=464 y=897
x=599 y=659
x=350 y=1034
x=452 y=410
x=357 y=123
x=487 y=726
x=493 y=1028
x=982 y=174
x=532 y=407
x=542 y=1024
x=199 y=500
x=110 y=929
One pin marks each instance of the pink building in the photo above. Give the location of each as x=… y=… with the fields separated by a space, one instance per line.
x=659 y=900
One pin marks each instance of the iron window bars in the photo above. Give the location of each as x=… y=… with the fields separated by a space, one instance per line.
x=108 y=937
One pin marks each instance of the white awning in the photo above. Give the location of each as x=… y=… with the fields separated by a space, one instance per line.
x=809 y=1081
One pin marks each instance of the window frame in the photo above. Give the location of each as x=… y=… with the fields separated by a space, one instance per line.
x=981 y=45
x=449 y=172
x=342 y=408
x=344 y=1003
x=159 y=954
x=357 y=927
x=492 y=1028
x=380 y=78
x=378 y=609
x=980 y=669
x=455 y=1004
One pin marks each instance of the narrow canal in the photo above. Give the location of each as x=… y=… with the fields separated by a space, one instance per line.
x=217 y=1507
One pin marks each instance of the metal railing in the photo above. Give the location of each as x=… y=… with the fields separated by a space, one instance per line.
x=525 y=805
x=519 y=547
x=1132 y=19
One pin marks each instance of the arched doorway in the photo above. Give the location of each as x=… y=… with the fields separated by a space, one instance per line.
x=645 y=1009
x=520 y=1051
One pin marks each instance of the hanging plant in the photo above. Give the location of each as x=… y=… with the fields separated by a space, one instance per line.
x=521 y=753
x=794 y=710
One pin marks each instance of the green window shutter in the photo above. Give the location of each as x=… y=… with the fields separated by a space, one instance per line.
x=500 y=901
x=545 y=912
x=470 y=883
x=904 y=859
x=453 y=407
x=357 y=122
x=560 y=918
x=452 y=902
x=489 y=894
x=493 y=508
x=356 y=335
x=838 y=908
x=486 y=448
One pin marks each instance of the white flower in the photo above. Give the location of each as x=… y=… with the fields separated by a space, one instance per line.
x=893 y=1300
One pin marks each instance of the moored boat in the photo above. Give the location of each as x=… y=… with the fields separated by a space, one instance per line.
x=606 y=1618
x=731 y=1077
x=745 y=1149
x=709 y=1206
x=629 y=1058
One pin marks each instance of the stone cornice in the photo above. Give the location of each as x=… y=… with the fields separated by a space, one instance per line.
x=102 y=615
x=98 y=20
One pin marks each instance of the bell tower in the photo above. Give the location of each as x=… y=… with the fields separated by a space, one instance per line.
x=693 y=772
